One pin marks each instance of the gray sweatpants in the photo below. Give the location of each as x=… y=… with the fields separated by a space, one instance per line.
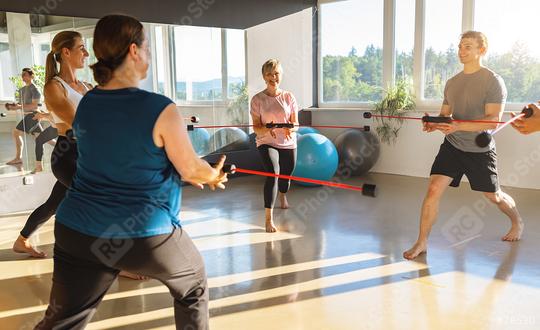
x=86 y=266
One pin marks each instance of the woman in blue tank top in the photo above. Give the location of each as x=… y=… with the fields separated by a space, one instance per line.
x=121 y=211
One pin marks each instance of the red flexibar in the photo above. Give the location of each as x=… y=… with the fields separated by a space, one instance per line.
x=456 y=120
x=314 y=126
x=295 y=178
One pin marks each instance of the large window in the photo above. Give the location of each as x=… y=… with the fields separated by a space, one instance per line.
x=236 y=63
x=41 y=46
x=197 y=63
x=442 y=31
x=404 y=39
x=86 y=74
x=159 y=40
x=514 y=50
x=351 y=51
x=352 y=40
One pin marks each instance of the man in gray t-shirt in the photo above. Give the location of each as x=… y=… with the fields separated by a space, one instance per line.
x=28 y=95
x=467 y=96
x=476 y=93
x=28 y=102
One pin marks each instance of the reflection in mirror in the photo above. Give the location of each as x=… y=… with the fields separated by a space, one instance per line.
x=28 y=48
x=12 y=126
x=210 y=83
x=202 y=69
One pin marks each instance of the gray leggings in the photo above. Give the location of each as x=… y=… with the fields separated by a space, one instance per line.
x=86 y=266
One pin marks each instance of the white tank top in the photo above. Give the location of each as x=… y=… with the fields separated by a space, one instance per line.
x=72 y=95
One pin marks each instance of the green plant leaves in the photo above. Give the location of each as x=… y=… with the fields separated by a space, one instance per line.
x=397 y=100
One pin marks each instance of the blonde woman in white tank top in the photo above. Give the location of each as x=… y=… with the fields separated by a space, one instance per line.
x=67 y=50
x=73 y=95
x=63 y=92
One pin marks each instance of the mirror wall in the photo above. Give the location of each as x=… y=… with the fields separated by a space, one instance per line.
x=202 y=69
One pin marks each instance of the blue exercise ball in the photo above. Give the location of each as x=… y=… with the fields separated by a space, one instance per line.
x=317 y=158
x=200 y=139
x=307 y=130
x=231 y=139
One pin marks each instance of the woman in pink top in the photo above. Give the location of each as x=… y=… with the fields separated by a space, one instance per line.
x=276 y=145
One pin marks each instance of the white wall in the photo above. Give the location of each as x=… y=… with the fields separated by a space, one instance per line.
x=414 y=151
x=289 y=40
x=16 y=197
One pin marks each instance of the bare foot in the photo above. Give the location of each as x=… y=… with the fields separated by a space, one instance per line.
x=270 y=227
x=15 y=161
x=283 y=200
x=515 y=232
x=417 y=249
x=132 y=276
x=37 y=169
x=22 y=245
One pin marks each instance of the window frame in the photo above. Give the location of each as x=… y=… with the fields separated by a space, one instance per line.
x=171 y=58
x=389 y=57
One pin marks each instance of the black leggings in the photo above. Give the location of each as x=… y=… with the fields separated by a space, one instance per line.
x=287 y=160
x=64 y=164
x=48 y=134
x=86 y=266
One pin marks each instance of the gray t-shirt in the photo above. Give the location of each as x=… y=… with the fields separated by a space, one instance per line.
x=29 y=93
x=467 y=96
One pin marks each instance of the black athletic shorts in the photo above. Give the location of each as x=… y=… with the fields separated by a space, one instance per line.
x=479 y=167
x=29 y=125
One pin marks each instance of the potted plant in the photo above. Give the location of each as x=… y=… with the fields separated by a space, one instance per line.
x=397 y=100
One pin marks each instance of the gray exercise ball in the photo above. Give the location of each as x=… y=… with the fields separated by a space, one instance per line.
x=230 y=139
x=358 y=151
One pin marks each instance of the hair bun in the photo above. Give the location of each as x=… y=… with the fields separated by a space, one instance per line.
x=102 y=72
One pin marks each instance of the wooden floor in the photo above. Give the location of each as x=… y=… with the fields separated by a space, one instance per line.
x=335 y=264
